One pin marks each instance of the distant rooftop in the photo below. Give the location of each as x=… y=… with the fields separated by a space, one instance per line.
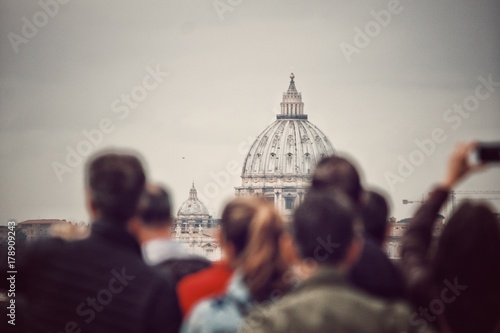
x=43 y=221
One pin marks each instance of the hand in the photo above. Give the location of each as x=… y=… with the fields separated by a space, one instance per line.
x=459 y=165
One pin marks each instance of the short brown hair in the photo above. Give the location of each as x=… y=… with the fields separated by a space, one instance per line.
x=116 y=181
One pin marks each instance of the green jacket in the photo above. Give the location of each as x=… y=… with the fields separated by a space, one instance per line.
x=326 y=303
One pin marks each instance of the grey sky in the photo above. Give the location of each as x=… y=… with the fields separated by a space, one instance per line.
x=224 y=85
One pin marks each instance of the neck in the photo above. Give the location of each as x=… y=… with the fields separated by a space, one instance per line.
x=149 y=234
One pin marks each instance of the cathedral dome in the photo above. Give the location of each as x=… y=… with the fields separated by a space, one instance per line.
x=289 y=146
x=193 y=206
x=280 y=162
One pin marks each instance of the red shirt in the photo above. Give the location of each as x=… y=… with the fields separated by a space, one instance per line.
x=209 y=282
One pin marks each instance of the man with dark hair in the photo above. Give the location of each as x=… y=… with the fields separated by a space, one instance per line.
x=374 y=272
x=100 y=283
x=114 y=183
x=326 y=234
x=330 y=214
x=375 y=216
x=153 y=229
x=339 y=173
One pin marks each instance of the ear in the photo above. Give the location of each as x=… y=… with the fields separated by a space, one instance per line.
x=90 y=204
x=353 y=252
x=386 y=235
x=226 y=247
x=134 y=227
x=288 y=249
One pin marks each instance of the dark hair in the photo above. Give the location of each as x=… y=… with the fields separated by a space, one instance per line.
x=254 y=227
x=375 y=213
x=338 y=172
x=324 y=226
x=155 y=207
x=468 y=252
x=235 y=223
x=115 y=181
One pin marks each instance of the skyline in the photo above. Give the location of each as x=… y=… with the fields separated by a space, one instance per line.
x=190 y=84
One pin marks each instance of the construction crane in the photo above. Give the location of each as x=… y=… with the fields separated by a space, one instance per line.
x=453 y=194
x=406 y=202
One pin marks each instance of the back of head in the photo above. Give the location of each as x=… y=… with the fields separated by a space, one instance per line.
x=235 y=222
x=115 y=182
x=254 y=228
x=469 y=245
x=467 y=254
x=155 y=209
x=375 y=213
x=325 y=217
x=243 y=215
x=338 y=173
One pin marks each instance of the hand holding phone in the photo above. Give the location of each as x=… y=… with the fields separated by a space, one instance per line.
x=488 y=152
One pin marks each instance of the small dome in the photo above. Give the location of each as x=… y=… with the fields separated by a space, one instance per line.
x=192 y=206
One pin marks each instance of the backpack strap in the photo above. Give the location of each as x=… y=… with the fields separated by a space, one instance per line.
x=242 y=307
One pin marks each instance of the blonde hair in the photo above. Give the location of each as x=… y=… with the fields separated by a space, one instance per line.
x=255 y=229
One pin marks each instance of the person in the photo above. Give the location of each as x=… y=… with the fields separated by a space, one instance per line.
x=208 y=282
x=328 y=237
x=374 y=272
x=257 y=248
x=456 y=287
x=99 y=283
x=375 y=215
x=152 y=228
x=339 y=172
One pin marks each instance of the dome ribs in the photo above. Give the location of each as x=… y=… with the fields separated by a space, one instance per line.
x=281 y=159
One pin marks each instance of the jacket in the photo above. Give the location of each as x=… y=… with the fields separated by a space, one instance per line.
x=375 y=274
x=98 y=284
x=327 y=303
x=205 y=283
x=168 y=255
x=223 y=313
x=462 y=306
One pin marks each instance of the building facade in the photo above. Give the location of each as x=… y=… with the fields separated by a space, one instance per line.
x=193 y=214
x=194 y=228
x=35 y=229
x=396 y=230
x=281 y=160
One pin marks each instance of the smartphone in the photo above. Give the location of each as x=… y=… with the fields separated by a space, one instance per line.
x=488 y=152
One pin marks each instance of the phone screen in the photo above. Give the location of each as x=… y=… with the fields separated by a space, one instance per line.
x=488 y=152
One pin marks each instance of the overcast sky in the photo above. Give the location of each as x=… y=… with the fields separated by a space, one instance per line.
x=208 y=76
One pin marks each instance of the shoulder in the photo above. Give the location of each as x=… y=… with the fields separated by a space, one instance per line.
x=376 y=274
x=208 y=278
x=213 y=314
x=44 y=249
x=181 y=267
x=333 y=307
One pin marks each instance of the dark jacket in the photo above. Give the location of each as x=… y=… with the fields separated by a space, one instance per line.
x=375 y=274
x=179 y=268
x=99 y=284
x=455 y=305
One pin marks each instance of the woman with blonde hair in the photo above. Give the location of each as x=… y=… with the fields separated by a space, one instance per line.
x=256 y=245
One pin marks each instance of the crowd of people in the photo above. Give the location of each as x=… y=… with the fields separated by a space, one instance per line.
x=324 y=271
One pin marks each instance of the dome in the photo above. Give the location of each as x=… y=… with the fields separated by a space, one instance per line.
x=281 y=160
x=192 y=206
x=289 y=146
